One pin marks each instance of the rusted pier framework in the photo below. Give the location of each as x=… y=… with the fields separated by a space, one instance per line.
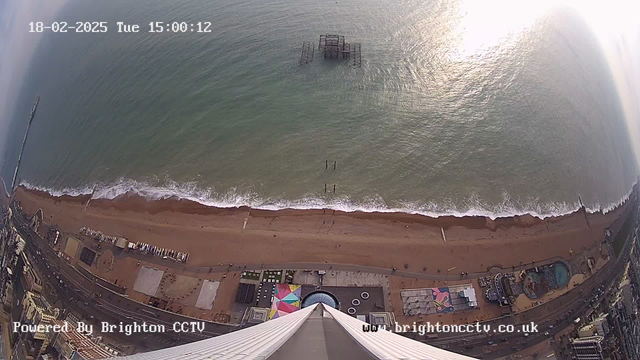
x=307 y=53
x=356 y=58
x=333 y=47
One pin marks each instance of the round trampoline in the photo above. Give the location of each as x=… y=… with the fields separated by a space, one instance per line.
x=355 y=302
x=320 y=297
x=562 y=274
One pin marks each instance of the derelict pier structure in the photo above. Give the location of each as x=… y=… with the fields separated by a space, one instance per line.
x=308 y=51
x=333 y=47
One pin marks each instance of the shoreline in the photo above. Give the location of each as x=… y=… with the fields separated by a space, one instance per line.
x=216 y=236
x=133 y=202
x=137 y=203
x=129 y=188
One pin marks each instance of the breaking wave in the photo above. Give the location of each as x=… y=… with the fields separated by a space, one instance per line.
x=473 y=206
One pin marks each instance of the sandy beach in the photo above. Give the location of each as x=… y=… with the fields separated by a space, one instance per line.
x=216 y=236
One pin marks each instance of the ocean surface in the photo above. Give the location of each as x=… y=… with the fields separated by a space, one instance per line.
x=455 y=110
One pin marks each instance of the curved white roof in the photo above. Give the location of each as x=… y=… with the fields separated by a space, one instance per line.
x=261 y=341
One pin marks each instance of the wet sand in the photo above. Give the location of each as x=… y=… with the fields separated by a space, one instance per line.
x=216 y=236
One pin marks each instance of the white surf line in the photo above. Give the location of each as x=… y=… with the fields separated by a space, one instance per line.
x=444 y=237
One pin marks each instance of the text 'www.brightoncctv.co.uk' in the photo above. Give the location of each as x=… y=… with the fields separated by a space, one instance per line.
x=429 y=328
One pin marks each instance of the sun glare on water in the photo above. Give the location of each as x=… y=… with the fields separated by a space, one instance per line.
x=487 y=24
x=485 y=27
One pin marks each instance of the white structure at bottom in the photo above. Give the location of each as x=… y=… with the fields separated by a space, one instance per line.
x=317 y=332
x=387 y=345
